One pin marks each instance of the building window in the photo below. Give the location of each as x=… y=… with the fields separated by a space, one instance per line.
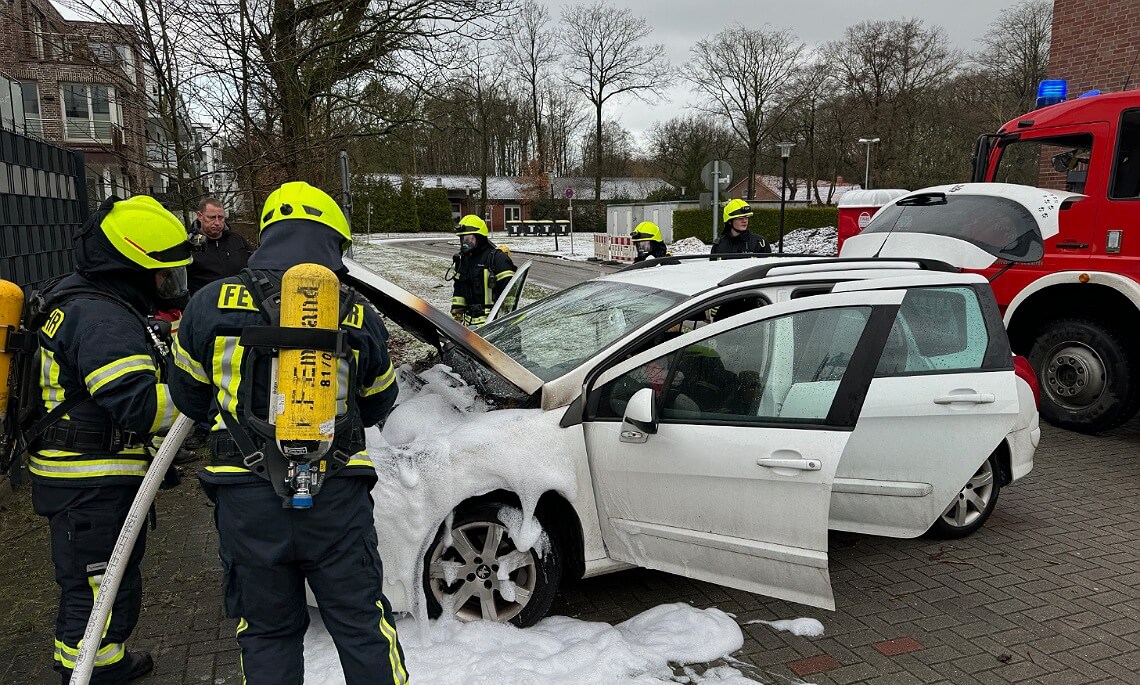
x=89 y=112
x=31 y=99
x=127 y=61
x=512 y=213
x=103 y=181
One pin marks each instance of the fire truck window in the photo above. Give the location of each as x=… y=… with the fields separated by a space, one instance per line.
x=1059 y=163
x=1126 y=170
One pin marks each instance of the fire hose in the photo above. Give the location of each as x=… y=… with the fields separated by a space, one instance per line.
x=124 y=545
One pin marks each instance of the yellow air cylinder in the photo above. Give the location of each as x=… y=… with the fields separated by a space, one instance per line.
x=11 y=307
x=307 y=379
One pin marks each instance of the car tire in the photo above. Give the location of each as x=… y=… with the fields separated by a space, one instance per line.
x=464 y=569
x=971 y=506
x=1087 y=376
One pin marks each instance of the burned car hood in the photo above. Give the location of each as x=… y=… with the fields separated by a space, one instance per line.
x=968 y=225
x=433 y=327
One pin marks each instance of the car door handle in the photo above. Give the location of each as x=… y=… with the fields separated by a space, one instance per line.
x=972 y=398
x=801 y=464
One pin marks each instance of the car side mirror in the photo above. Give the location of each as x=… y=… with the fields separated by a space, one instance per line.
x=640 y=420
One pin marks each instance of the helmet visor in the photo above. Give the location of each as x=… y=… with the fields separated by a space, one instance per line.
x=170 y=284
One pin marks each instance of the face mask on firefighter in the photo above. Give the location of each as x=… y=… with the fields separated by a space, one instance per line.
x=644 y=246
x=468 y=242
x=170 y=284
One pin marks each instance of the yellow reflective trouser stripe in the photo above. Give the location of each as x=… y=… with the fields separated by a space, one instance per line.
x=399 y=673
x=242 y=625
x=504 y=275
x=226 y=373
x=240 y=469
x=107 y=654
x=55 y=454
x=87 y=468
x=109 y=373
x=51 y=391
x=361 y=462
x=165 y=411
x=184 y=361
x=458 y=301
x=381 y=383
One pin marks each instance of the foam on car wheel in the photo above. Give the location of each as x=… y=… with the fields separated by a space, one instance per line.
x=971 y=506
x=1086 y=374
x=478 y=574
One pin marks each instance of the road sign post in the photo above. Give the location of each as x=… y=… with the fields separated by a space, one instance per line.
x=569 y=193
x=715 y=174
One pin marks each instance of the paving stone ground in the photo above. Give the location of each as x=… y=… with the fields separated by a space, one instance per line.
x=1047 y=592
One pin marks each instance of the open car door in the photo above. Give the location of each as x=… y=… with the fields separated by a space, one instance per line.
x=967 y=225
x=511 y=296
x=713 y=453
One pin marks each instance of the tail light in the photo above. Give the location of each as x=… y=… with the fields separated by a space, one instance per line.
x=1024 y=371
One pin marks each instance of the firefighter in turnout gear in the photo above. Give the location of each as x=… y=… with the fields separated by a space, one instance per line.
x=482 y=271
x=276 y=529
x=101 y=370
x=648 y=241
x=736 y=238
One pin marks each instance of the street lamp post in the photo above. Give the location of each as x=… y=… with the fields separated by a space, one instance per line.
x=553 y=225
x=785 y=152
x=867 y=169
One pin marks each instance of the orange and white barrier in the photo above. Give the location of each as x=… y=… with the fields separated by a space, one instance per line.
x=614 y=248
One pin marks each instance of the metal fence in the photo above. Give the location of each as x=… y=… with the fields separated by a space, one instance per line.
x=43 y=199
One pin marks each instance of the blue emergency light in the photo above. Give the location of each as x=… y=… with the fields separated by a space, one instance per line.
x=1051 y=91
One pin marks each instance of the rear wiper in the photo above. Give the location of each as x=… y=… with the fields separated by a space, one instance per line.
x=923 y=200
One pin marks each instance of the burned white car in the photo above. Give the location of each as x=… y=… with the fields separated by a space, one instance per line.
x=708 y=418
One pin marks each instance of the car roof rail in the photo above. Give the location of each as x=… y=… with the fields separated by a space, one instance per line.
x=836 y=263
x=673 y=260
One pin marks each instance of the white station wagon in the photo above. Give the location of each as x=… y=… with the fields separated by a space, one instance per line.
x=722 y=416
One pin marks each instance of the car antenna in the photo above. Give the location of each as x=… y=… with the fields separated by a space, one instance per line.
x=917 y=200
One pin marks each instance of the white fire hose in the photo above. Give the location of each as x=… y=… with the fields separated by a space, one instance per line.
x=113 y=575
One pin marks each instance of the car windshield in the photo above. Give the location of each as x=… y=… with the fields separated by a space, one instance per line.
x=998 y=225
x=556 y=335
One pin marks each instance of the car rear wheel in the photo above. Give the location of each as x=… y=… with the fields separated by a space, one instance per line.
x=971 y=506
x=477 y=572
x=1087 y=376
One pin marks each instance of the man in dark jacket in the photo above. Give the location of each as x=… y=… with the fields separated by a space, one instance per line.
x=482 y=271
x=104 y=396
x=268 y=551
x=648 y=242
x=219 y=252
x=736 y=238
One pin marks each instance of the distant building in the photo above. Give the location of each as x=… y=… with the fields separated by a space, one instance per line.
x=81 y=88
x=509 y=197
x=767 y=189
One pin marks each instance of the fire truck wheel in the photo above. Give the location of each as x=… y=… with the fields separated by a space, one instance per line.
x=1087 y=376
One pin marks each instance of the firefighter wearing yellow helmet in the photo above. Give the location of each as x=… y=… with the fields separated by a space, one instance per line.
x=736 y=238
x=286 y=511
x=647 y=240
x=104 y=395
x=482 y=271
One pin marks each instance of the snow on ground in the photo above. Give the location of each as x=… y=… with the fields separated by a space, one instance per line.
x=806 y=627
x=821 y=241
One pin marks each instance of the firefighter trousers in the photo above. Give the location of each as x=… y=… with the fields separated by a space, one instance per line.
x=84 y=524
x=268 y=553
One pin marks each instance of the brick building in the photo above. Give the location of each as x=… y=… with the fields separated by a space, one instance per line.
x=1096 y=44
x=81 y=86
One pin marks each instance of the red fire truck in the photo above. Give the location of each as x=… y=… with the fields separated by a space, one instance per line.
x=1072 y=302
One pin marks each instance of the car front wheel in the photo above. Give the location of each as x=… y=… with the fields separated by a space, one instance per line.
x=971 y=506
x=477 y=572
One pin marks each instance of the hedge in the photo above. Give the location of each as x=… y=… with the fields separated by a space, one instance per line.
x=688 y=223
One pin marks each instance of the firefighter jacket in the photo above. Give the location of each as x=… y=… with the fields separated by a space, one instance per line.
x=96 y=346
x=744 y=243
x=212 y=370
x=217 y=258
x=480 y=277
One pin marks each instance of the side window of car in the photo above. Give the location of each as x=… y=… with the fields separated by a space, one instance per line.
x=936 y=330
x=786 y=369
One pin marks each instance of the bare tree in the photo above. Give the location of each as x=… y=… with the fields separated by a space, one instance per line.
x=606 y=56
x=481 y=82
x=532 y=53
x=1014 y=58
x=747 y=76
x=680 y=147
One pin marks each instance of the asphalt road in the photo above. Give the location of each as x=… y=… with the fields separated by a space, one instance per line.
x=548 y=272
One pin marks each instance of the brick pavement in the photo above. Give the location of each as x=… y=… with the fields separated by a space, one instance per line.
x=1047 y=592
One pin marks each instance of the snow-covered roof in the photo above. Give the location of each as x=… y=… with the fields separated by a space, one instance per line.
x=515 y=187
x=803 y=188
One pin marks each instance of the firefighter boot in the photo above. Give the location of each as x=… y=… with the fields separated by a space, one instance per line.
x=137 y=664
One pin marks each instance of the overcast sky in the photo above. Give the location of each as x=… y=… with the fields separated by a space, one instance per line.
x=678 y=24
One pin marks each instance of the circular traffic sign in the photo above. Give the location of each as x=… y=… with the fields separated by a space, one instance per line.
x=724 y=175
x=569 y=193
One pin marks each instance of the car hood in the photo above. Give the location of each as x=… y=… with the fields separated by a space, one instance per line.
x=968 y=225
x=433 y=327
